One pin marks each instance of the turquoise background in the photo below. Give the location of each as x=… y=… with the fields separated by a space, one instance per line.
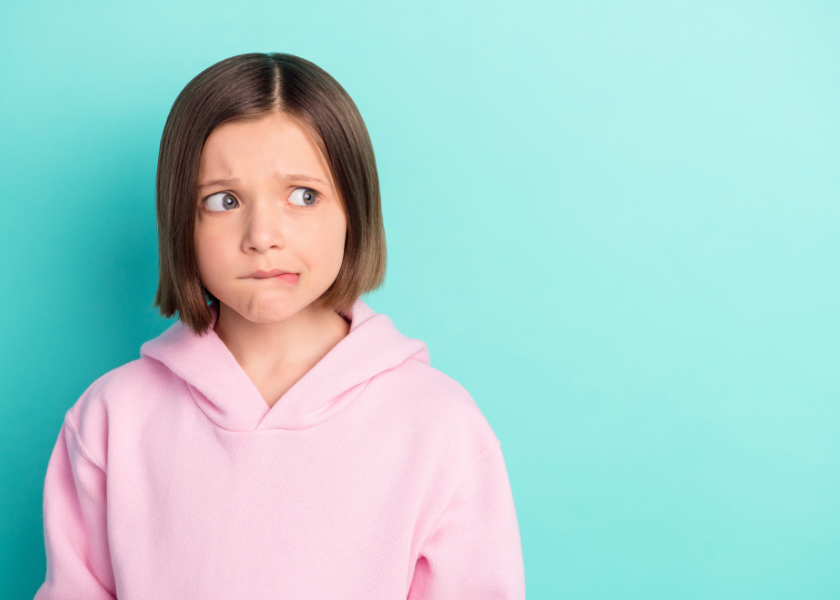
x=616 y=224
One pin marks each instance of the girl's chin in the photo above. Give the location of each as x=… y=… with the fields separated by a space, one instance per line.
x=268 y=310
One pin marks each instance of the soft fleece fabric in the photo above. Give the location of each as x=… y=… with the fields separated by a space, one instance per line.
x=374 y=476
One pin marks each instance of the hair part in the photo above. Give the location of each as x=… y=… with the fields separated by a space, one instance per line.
x=246 y=87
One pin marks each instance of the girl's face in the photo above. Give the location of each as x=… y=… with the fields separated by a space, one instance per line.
x=270 y=227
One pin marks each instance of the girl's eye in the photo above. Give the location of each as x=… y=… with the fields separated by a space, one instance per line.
x=303 y=197
x=221 y=201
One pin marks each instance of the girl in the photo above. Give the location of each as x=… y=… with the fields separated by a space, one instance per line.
x=281 y=439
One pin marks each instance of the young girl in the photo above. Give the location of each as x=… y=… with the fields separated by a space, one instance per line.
x=281 y=439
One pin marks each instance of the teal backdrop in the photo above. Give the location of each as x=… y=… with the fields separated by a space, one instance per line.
x=617 y=224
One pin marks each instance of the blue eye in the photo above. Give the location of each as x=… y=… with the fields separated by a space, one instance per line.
x=221 y=201
x=303 y=197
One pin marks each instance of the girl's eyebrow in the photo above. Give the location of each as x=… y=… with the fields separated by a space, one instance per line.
x=299 y=177
x=217 y=182
x=290 y=177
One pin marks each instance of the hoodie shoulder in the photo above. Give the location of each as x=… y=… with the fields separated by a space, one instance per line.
x=442 y=409
x=127 y=387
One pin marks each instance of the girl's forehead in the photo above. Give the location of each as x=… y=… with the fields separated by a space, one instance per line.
x=273 y=143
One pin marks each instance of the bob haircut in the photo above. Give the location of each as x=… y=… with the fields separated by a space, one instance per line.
x=247 y=87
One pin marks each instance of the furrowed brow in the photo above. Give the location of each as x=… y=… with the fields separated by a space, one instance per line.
x=289 y=177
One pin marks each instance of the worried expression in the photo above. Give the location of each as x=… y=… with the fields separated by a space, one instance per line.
x=270 y=227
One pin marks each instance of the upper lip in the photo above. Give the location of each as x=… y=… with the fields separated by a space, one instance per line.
x=265 y=274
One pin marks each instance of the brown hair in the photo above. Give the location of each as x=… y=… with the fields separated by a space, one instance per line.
x=250 y=86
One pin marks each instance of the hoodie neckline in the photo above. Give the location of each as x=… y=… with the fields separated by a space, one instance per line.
x=226 y=394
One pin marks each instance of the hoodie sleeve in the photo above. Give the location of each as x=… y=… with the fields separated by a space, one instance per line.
x=75 y=532
x=474 y=552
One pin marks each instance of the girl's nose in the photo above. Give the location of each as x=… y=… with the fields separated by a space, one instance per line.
x=264 y=229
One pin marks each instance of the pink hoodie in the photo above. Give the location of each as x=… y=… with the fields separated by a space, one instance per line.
x=374 y=476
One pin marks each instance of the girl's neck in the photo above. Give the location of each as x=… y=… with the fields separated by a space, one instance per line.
x=276 y=355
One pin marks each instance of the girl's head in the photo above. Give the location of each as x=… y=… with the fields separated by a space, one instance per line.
x=265 y=164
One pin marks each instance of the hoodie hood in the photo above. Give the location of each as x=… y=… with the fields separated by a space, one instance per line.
x=226 y=394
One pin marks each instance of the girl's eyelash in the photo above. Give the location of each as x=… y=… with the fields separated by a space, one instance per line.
x=313 y=190
x=203 y=202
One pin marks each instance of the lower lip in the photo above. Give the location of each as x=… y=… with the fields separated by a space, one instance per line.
x=291 y=278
